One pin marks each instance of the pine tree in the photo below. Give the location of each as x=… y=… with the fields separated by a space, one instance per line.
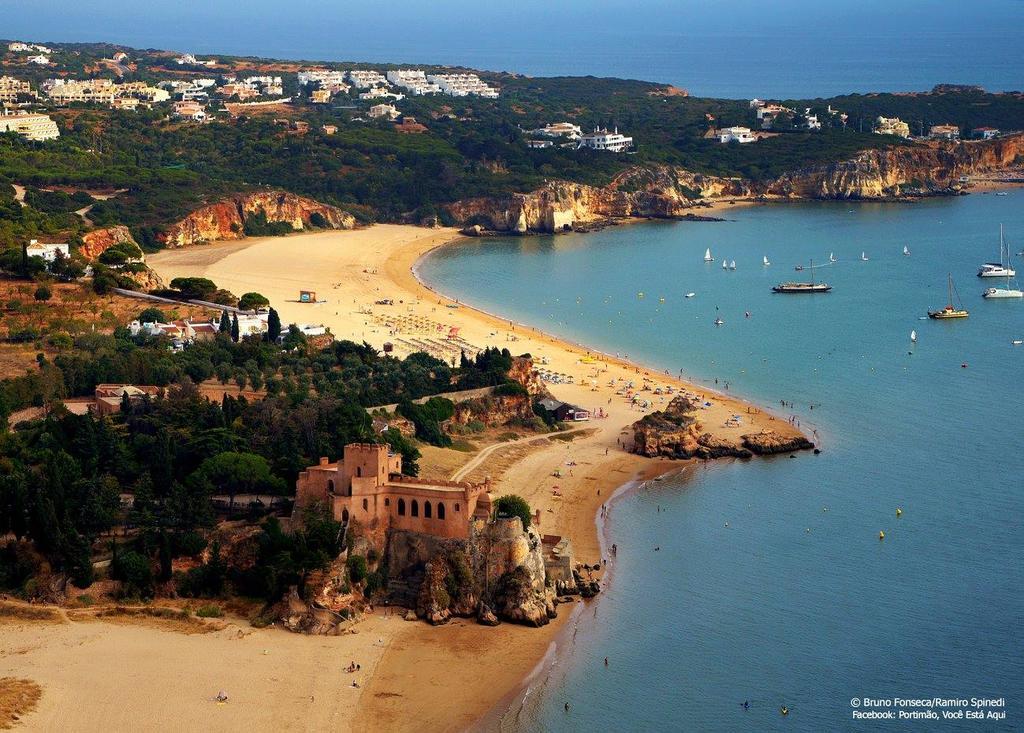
x=234 y=328
x=273 y=326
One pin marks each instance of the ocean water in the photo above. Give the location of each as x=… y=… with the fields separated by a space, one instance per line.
x=796 y=602
x=783 y=49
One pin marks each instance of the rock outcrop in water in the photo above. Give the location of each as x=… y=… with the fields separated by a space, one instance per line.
x=768 y=442
x=661 y=191
x=226 y=219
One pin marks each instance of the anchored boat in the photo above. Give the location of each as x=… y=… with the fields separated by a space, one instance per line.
x=1007 y=292
x=949 y=311
x=803 y=287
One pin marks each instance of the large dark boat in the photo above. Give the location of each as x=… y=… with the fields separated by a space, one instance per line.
x=802 y=287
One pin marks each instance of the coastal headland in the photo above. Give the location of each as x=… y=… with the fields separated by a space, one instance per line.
x=366 y=286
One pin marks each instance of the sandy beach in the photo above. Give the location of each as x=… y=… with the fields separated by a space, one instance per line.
x=414 y=677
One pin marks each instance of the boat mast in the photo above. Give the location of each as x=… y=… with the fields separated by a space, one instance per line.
x=950 y=276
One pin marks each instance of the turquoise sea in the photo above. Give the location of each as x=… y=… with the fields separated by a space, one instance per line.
x=797 y=602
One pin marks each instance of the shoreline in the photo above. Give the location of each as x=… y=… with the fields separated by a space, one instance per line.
x=482 y=667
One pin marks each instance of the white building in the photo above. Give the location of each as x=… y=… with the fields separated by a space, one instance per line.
x=190 y=60
x=811 y=122
x=18 y=47
x=463 y=85
x=41 y=59
x=47 y=251
x=366 y=79
x=384 y=110
x=30 y=126
x=252 y=325
x=559 y=129
x=381 y=93
x=736 y=134
x=540 y=144
x=412 y=80
x=601 y=139
x=892 y=126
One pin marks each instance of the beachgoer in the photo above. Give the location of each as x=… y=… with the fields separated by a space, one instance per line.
x=222 y=696
x=606 y=661
x=567 y=707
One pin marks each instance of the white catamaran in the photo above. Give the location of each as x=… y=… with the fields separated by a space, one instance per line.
x=1008 y=273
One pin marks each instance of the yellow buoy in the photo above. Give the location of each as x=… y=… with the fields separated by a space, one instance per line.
x=881 y=535
x=899 y=512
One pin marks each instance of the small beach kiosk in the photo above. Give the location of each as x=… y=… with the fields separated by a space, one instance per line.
x=307 y=296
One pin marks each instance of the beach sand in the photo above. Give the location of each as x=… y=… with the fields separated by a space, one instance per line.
x=414 y=677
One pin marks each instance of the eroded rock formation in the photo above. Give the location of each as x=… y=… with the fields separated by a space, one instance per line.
x=660 y=191
x=675 y=432
x=768 y=442
x=226 y=219
x=98 y=241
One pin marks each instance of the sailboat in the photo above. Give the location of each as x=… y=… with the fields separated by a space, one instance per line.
x=725 y=264
x=863 y=257
x=1007 y=292
x=913 y=336
x=732 y=265
x=803 y=287
x=949 y=311
x=766 y=262
x=832 y=257
x=906 y=251
x=707 y=255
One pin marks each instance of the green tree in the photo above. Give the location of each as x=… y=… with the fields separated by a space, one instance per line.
x=238 y=473
x=234 y=328
x=252 y=301
x=225 y=323
x=273 y=326
x=152 y=315
x=512 y=505
x=43 y=293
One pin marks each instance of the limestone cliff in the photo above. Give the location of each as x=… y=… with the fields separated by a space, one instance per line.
x=226 y=219
x=661 y=191
x=98 y=241
x=657 y=191
x=500 y=567
x=920 y=169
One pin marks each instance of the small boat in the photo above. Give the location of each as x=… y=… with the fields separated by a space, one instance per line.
x=725 y=264
x=719 y=322
x=1007 y=292
x=1002 y=193
x=640 y=294
x=765 y=260
x=949 y=311
x=913 y=336
x=707 y=255
x=803 y=287
x=799 y=268
x=1017 y=342
x=906 y=251
x=689 y=295
x=732 y=265
x=832 y=257
x=863 y=257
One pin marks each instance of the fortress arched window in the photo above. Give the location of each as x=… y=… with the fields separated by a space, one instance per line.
x=366 y=505
x=344 y=515
x=456 y=507
x=415 y=508
x=359 y=470
x=440 y=510
x=401 y=507
x=330 y=486
x=387 y=502
x=426 y=510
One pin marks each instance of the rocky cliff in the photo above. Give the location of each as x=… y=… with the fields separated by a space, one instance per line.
x=924 y=168
x=658 y=191
x=98 y=241
x=661 y=191
x=498 y=573
x=226 y=219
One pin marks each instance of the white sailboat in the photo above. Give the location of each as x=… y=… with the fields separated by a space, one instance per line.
x=725 y=264
x=707 y=255
x=766 y=262
x=863 y=256
x=913 y=336
x=906 y=251
x=1007 y=292
x=732 y=265
x=832 y=257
